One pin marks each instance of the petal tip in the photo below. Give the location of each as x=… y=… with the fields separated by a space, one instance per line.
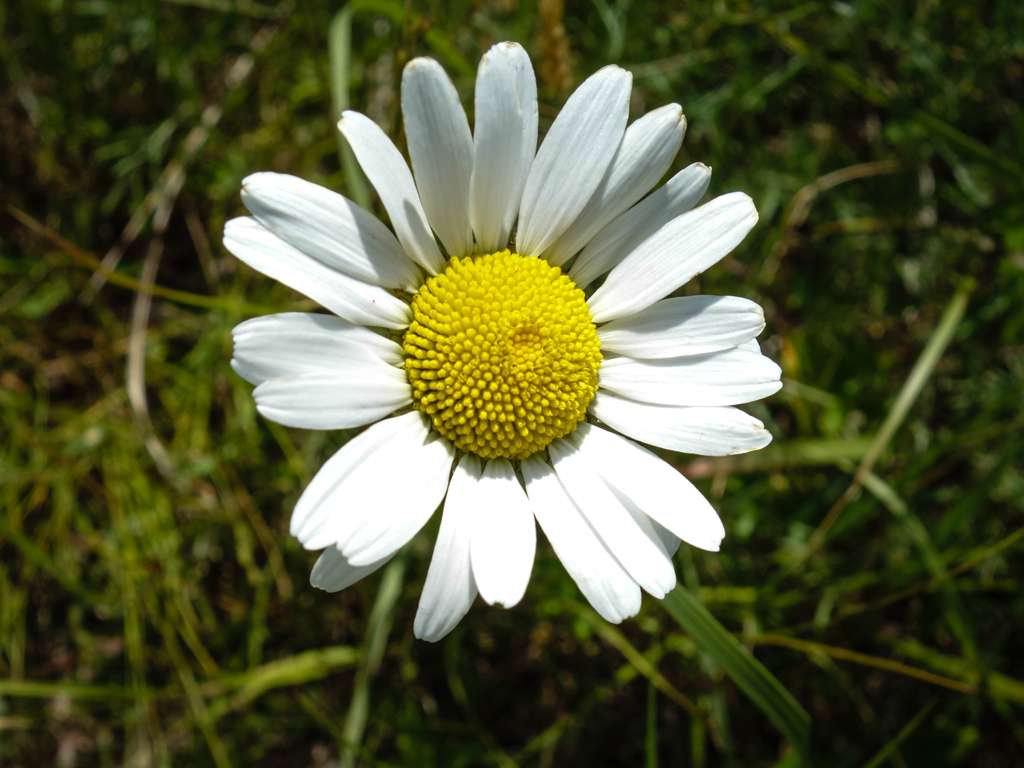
x=505 y=601
x=346 y=115
x=253 y=179
x=236 y=366
x=505 y=47
x=744 y=200
x=420 y=63
x=232 y=225
x=428 y=634
x=616 y=71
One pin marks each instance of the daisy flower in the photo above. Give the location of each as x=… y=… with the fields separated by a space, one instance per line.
x=506 y=342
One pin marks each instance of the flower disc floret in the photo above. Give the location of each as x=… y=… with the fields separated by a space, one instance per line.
x=502 y=354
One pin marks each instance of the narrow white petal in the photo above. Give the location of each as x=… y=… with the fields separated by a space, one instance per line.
x=647 y=150
x=572 y=159
x=330 y=228
x=293 y=343
x=681 y=249
x=690 y=325
x=708 y=431
x=333 y=573
x=356 y=301
x=387 y=170
x=597 y=573
x=357 y=392
x=678 y=195
x=661 y=537
x=504 y=536
x=504 y=142
x=643 y=559
x=354 y=501
x=651 y=485
x=441 y=150
x=450 y=589
x=669 y=540
x=730 y=377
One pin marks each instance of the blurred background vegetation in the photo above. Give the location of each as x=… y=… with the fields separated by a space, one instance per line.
x=153 y=609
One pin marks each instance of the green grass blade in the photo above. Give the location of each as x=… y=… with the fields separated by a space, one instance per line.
x=651 y=731
x=918 y=533
x=891 y=746
x=750 y=675
x=339 y=50
x=298 y=669
x=617 y=640
x=919 y=375
x=905 y=399
x=1000 y=687
x=376 y=638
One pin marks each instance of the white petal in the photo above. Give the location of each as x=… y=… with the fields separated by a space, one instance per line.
x=330 y=228
x=333 y=573
x=572 y=159
x=394 y=516
x=376 y=449
x=601 y=579
x=354 y=501
x=292 y=343
x=666 y=541
x=708 y=431
x=504 y=142
x=650 y=484
x=356 y=301
x=660 y=536
x=643 y=559
x=449 y=590
x=681 y=249
x=730 y=377
x=647 y=150
x=504 y=536
x=669 y=541
x=678 y=195
x=690 y=325
x=357 y=392
x=387 y=170
x=441 y=150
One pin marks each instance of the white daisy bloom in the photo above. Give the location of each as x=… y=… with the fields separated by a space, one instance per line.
x=508 y=343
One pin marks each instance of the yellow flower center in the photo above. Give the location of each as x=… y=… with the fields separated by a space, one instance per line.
x=502 y=354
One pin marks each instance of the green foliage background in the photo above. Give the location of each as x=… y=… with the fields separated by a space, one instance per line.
x=154 y=611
